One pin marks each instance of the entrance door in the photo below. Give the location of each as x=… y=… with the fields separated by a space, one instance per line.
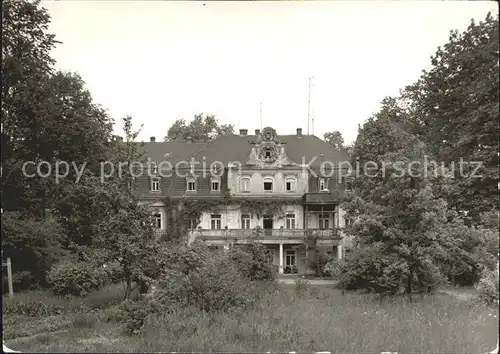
x=268 y=225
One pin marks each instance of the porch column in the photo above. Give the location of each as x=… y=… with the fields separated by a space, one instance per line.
x=281 y=259
x=339 y=252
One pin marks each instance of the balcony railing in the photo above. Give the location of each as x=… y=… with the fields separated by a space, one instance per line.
x=267 y=233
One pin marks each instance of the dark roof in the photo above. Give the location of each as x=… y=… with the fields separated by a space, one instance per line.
x=304 y=149
x=175 y=151
x=307 y=149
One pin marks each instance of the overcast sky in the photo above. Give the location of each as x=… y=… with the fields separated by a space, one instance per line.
x=159 y=61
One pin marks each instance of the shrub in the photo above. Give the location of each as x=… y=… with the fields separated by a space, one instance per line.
x=76 y=278
x=33 y=245
x=332 y=269
x=320 y=259
x=488 y=288
x=40 y=304
x=252 y=261
x=369 y=270
x=215 y=283
x=135 y=313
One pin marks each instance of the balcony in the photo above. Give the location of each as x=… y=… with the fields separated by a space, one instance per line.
x=267 y=234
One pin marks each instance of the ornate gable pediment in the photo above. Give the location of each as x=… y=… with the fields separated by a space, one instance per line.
x=268 y=150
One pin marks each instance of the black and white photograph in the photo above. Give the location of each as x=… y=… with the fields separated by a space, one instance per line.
x=250 y=176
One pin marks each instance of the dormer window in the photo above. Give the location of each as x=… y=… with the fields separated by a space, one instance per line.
x=191 y=185
x=323 y=185
x=268 y=185
x=215 y=185
x=290 y=184
x=153 y=168
x=155 y=184
x=245 y=184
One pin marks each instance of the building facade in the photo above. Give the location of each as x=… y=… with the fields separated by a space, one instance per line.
x=284 y=191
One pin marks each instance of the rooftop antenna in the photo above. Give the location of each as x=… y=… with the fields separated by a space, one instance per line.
x=312 y=115
x=261 y=115
x=308 y=105
x=312 y=121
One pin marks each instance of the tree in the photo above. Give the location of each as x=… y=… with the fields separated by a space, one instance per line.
x=47 y=116
x=403 y=233
x=200 y=129
x=455 y=111
x=33 y=245
x=335 y=139
x=123 y=232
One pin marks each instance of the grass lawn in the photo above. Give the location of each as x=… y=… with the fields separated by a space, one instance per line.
x=318 y=319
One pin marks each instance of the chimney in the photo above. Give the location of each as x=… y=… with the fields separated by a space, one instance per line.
x=243 y=131
x=152 y=139
x=189 y=139
x=299 y=131
x=257 y=131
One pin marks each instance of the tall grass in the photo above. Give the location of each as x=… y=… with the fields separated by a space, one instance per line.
x=287 y=321
x=300 y=320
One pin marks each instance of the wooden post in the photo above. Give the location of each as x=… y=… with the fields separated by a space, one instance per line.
x=9 y=276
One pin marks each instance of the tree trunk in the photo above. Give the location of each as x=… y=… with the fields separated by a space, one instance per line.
x=409 y=284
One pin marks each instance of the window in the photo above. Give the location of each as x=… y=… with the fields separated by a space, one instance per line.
x=324 y=221
x=191 y=185
x=347 y=222
x=154 y=168
x=290 y=221
x=268 y=153
x=289 y=258
x=155 y=184
x=269 y=258
x=215 y=222
x=192 y=224
x=245 y=184
x=268 y=185
x=215 y=185
x=157 y=221
x=245 y=221
x=323 y=184
x=290 y=184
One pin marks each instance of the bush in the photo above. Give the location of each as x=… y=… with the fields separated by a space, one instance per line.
x=332 y=269
x=40 y=304
x=488 y=288
x=76 y=278
x=33 y=246
x=215 y=283
x=135 y=313
x=369 y=270
x=252 y=261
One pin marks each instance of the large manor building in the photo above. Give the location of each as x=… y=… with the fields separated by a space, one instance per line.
x=282 y=190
